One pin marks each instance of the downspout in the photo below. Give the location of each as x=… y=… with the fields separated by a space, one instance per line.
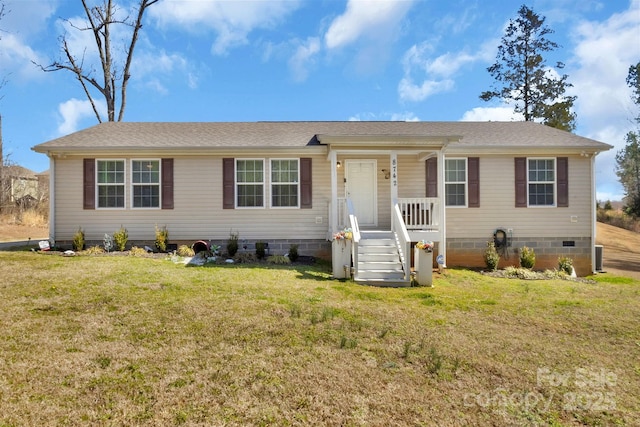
x=443 y=211
x=333 y=214
x=594 y=217
x=52 y=200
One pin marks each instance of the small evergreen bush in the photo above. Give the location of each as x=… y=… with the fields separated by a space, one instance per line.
x=78 y=240
x=261 y=249
x=120 y=239
x=232 y=244
x=491 y=256
x=293 y=253
x=565 y=264
x=527 y=257
x=162 y=238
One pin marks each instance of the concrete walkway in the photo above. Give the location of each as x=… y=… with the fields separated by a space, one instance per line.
x=16 y=244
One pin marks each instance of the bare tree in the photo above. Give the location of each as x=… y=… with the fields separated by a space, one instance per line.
x=115 y=76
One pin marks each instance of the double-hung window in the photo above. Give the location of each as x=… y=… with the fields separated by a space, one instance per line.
x=145 y=183
x=455 y=183
x=285 y=178
x=541 y=181
x=110 y=183
x=250 y=183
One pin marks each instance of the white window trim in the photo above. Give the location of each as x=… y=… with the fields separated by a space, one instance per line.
x=264 y=183
x=97 y=184
x=132 y=184
x=555 y=183
x=271 y=184
x=466 y=183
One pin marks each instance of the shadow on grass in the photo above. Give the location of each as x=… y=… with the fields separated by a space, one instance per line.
x=317 y=270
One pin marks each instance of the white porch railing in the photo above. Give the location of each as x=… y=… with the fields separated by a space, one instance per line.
x=420 y=213
x=355 y=231
x=402 y=239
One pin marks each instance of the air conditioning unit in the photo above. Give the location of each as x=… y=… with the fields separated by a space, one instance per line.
x=599 y=253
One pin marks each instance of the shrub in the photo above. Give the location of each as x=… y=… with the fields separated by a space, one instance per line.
x=278 y=259
x=162 y=238
x=120 y=238
x=261 y=248
x=527 y=257
x=94 y=250
x=565 y=264
x=137 y=252
x=293 y=253
x=107 y=242
x=232 y=244
x=184 y=250
x=491 y=256
x=78 y=240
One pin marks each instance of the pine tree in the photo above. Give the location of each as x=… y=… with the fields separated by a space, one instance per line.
x=523 y=77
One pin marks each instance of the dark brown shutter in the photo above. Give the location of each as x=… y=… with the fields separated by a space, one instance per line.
x=228 y=183
x=562 y=164
x=473 y=164
x=305 y=183
x=167 y=183
x=89 y=184
x=521 y=182
x=431 y=174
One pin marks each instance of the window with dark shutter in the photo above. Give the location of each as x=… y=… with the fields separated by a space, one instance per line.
x=431 y=174
x=89 y=184
x=167 y=183
x=521 y=182
x=228 y=183
x=473 y=165
x=305 y=183
x=562 y=163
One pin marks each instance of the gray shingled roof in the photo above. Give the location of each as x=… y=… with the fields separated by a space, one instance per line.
x=184 y=135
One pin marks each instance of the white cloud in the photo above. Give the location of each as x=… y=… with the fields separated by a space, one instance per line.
x=303 y=58
x=598 y=70
x=232 y=21
x=436 y=75
x=495 y=114
x=366 y=18
x=409 y=91
x=16 y=57
x=72 y=112
x=406 y=116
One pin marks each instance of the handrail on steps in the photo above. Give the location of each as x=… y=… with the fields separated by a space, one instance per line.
x=404 y=241
x=355 y=231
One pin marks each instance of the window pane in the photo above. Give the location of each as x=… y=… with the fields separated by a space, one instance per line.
x=147 y=171
x=455 y=182
x=284 y=196
x=540 y=194
x=250 y=195
x=111 y=196
x=146 y=196
x=110 y=171
x=541 y=182
x=455 y=194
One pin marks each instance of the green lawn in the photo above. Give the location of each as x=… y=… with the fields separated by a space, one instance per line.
x=116 y=340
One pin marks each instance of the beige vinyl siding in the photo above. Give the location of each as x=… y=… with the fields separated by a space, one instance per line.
x=497 y=205
x=197 y=212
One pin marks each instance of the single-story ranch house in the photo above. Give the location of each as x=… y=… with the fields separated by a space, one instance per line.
x=458 y=184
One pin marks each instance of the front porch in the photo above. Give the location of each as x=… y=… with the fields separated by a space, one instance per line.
x=383 y=195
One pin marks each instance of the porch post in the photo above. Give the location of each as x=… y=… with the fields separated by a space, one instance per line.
x=443 y=215
x=333 y=214
x=394 y=177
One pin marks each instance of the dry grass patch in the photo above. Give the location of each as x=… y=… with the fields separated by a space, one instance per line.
x=141 y=341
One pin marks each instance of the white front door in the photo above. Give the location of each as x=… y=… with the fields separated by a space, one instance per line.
x=361 y=188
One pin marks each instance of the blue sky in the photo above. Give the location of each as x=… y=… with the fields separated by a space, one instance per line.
x=211 y=60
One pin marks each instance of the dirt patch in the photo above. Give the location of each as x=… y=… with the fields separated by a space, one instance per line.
x=621 y=250
x=19 y=232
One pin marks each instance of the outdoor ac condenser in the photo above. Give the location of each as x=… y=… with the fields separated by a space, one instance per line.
x=599 y=250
